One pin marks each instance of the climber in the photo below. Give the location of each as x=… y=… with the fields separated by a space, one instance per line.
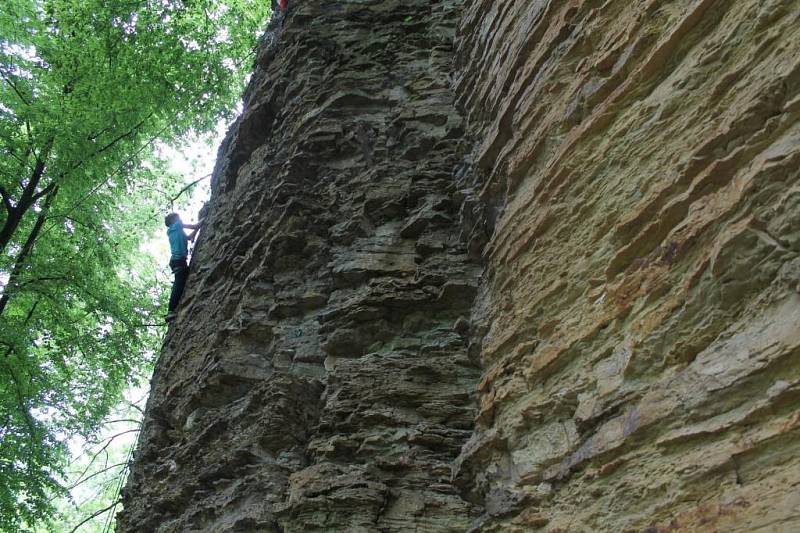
x=178 y=261
x=283 y=5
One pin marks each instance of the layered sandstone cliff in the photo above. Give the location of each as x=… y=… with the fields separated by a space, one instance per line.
x=314 y=380
x=495 y=265
x=639 y=319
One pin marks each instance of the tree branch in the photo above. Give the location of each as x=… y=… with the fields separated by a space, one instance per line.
x=26 y=249
x=23 y=409
x=25 y=200
x=16 y=90
x=6 y=199
x=22 y=162
x=44 y=192
x=118 y=420
x=131 y=404
x=109 y=440
x=96 y=514
x=105 y=447
x=13 y=286
x=95 y=474
x=112 y=142
x=109 y=177
x=187 y=187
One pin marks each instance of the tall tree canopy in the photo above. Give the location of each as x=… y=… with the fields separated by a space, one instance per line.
x=86 y=89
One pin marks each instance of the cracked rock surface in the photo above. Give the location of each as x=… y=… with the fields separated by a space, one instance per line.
x=497 y=266
x=314 y=380
x=640 y=325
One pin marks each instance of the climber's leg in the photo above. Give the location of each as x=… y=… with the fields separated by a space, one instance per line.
x=181 y=271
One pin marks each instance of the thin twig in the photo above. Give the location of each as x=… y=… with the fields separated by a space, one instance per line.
x=95 y=515
x=95 y=474
x=131 y=404
x=13 y=86
x=187 y=187
x=101 y=450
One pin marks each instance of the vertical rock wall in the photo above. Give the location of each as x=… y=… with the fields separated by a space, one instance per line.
x=593 y=204
x=641 y=324
x=314 y=380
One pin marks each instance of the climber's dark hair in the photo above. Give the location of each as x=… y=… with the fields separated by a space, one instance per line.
x=171 y=219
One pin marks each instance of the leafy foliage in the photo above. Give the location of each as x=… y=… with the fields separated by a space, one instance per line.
x=86 y=91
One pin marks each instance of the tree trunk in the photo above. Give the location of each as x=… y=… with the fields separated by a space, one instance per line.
x=19 y=262
x=27 y=200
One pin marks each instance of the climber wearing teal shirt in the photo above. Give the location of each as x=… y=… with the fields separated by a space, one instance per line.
x=178 y=261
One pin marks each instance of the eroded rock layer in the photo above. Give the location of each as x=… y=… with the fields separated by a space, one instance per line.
x=483 y=265
x=316 y=378
x=641 y=324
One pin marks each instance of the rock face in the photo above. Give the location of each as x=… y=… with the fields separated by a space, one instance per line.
x=314 y=380
x=502 y=266
x=640 y=325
